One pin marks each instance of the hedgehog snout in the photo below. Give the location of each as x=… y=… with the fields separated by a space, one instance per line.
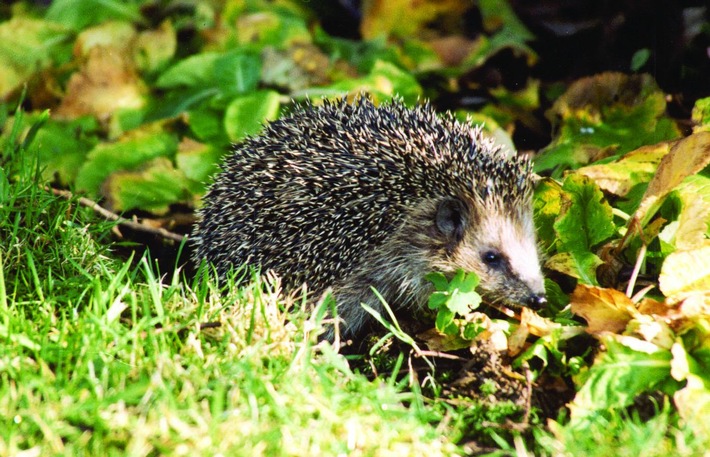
x=537 y=301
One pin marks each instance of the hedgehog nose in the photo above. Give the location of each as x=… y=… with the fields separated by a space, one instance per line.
x=537 y=301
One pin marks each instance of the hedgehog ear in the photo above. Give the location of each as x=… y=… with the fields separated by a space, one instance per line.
x=451 y=218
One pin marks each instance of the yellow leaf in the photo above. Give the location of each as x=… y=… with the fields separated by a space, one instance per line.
x=565 y=263
x=635 y=167
x=686 y=157
x=686 y=272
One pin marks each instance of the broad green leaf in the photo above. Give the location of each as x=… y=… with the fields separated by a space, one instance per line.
x=457 y=281
x=177 y=102
x=195 y=70
x=694 y=219
x=247 y=114
x=463 y=302
x=228 y=73
x=78 y=14
x=198 y=162
x=207 y=125
x=237 y=73
x=463 y=296
x=586 y=221
x=581 y=264
x=135 y=148
x=151 y=187
x=626 y=369
x=361 y=54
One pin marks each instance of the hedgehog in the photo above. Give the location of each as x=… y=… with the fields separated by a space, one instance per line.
x=349 y=197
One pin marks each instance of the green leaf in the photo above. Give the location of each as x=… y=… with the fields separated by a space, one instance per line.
x=444 y=320
x=438 y=279
x=606 y=115
x=618 y=376
x=196 y=70
x=592 y=212
x=135 y=148
x=62 y=148
x=78 y=14
x=463 y=296
x=198 y=164
x=463 y=302
x=361 y=54
x=438 y=299
x=28 y=46
x=229 y=73
x=640 y=58
x=237 y=73
x=152 y=187
x=586 y=221
x=701 y=114
x=246 y=114
x=508 y=32
x=457 y=296
x=548 y=201
x=207 y=125
x=457 y=281
x=279 y=29
x=382 y=83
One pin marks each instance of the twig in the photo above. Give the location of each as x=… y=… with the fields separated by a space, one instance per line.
x=115 y=217
x=637 y=268
x=441 y=355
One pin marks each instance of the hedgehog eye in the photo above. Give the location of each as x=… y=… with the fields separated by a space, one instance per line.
x=450 y=218
x=492 y=258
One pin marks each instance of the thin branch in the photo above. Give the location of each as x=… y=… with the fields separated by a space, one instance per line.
x=637 y=269
x=437 y=354
x=133 y=225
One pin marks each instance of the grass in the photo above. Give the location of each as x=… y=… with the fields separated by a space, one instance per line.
x=100 y=356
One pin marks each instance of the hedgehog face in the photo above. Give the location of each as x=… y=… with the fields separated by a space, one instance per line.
x=498 y=245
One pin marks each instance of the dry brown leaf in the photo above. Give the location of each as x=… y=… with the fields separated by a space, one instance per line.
x=594 y=93
x=107 y=82
x=453 y=49
x=440 y=342
x=605 y=310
